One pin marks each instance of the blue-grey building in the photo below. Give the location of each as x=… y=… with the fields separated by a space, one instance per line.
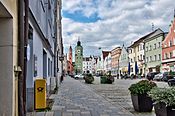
x=44 y=45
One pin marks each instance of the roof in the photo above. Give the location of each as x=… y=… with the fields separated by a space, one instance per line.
x=105 y=54
x=143 y=38
x=157 y=33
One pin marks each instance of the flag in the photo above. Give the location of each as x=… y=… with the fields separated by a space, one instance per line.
x=129 y=66
x=136 y=68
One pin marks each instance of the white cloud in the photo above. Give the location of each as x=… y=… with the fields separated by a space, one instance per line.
x=122 y=21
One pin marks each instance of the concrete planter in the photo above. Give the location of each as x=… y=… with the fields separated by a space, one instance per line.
x=142 y=103
x=162 y=110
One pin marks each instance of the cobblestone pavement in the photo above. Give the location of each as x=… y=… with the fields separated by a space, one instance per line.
x=77 y=99
x=118 y=94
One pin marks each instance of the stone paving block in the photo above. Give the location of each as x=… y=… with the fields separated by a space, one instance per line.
x=76 y=114
x=49 y=113
x=67 y=114
x=57 y=113
x=40 y=113
x=104 y=115
x=73 y=110
x=55 y=107
x=86 y=113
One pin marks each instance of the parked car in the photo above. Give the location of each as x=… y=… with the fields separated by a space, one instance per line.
x=165 y=76
x=71 y=75
x=151 y=75
x=171 y=82
x=158 y=77
x=79 y=76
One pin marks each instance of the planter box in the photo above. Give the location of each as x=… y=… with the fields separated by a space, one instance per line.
x=103 y=79
x=142 y=103
x=162 y=110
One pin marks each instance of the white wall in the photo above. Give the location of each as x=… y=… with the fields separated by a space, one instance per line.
x=6 y=67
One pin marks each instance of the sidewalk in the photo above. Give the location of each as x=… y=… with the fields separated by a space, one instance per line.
x=76 y=99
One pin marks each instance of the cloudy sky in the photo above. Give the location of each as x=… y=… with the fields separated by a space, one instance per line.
x=110 y=23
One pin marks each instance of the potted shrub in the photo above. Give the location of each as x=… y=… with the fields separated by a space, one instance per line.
x=164 y=101
x=88 y=78
x=107 y=79
x=139 y=95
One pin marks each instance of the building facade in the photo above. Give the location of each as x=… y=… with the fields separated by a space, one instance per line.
x=115 y=55
x=99 y=66
x=153 y=51
x=137 y=56
x=168 y=50
x=123 y=61
x=104 y=60
x=87 y=65
x=45 y=46
x=9 y=57
x=65 y=65
x=107 y=63
x=78 y=58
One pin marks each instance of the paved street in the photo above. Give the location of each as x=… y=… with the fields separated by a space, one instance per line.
x=118 y=94
x=77 y=99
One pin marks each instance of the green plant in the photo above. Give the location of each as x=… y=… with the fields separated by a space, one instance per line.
x=142 y=87
x=163 y=95
x=88 y=78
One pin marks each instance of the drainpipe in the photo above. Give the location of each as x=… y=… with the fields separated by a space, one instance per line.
x=26 y=28
x=56 y=41
x=22 y=59
x=21 y=111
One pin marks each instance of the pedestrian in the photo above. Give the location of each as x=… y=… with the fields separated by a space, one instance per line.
x=61 y=80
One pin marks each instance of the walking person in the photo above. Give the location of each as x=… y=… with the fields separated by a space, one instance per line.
x=61 y=79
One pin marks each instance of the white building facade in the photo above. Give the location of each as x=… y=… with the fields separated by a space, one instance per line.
x=123 y=61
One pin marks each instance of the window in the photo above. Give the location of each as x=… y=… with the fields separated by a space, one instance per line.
x=138 y=48
x=147 y=48
x=147 y=59
x=171 y=54
x=130 y=50
x=143 y=57
x=150 y=48
x=159 y=56
x=159 y=44
x=154 y=46
x=138 y=57
x=155 y=57
x=131 y=60
x=166 y=55
x=150 y=58
x=170 y=43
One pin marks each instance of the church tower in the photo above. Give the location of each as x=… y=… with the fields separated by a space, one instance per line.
x=78 y=58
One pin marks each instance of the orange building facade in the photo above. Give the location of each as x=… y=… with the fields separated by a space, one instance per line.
x=115 y=55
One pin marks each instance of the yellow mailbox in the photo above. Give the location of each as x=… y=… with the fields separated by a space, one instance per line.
x=40 y=94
